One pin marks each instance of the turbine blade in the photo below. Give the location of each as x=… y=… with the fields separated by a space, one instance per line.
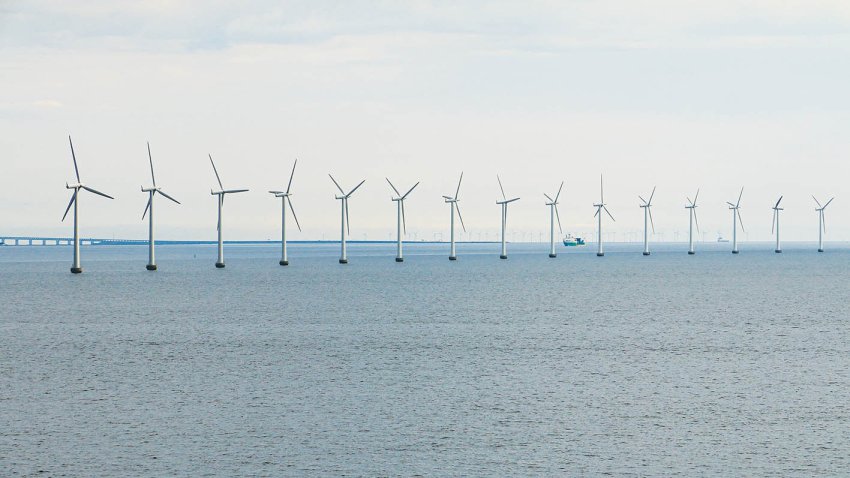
x=150 y=159
x=651 y=222
x=347 y=220
x=459 y=216
x=217 y=177
x=169 y=197
x=696 y=220
x=730 y=204
x=147 y=206
x=232 y=191
x=601 y=190
x=642 y=199
x=559 y=219
x=398 y=194
x=738 y=213
x=823 y=219
x=91 y=190
x=559 y=192
x=547 y=197
x=695 y=197
x=73 y=198
x=773 y=223
x=739 y=198
x=355 y=188
x=337 y=185
x=609 y=213
x=777 y=202
x=291 y=175
x=403 y=220
x=597 y=211
x=827 y=203
x=816 y=200
x=293 y=212
x=74 y=157
x=458 y=185
x=410 y=190
x=649 y=203
x=689 y=201
x=500 y=187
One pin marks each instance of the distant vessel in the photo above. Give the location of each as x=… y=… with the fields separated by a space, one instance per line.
x=720 y=238
x=571 y=240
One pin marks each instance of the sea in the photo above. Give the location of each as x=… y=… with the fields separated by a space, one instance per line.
x=665 y=365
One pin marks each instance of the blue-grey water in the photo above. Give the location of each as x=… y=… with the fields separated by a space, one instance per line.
x=664 y=365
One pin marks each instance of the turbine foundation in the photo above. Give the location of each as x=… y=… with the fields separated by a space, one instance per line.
x=219 y=265
x=503 y=257
x=820 y=250
x=452 y=258
x=600 y=254
x=284 y=263
x=690 y=253
x=343 y=261
x=76 y=270
x=553 y=255
x=151 y=267
x=778 y=251
x=399 y=259
x=645 y=253
x=735 y=252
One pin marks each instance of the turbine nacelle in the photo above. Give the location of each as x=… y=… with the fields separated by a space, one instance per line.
x=507 y=201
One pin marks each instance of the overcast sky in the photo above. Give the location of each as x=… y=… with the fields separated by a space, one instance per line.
x=679 y=94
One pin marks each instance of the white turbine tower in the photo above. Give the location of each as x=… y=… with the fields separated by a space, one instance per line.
x=221 y=193
x=152 y=191
x=736 y=218
x=343 y=259
x=774 y=227
x=285 y=198
x=821 y=221
x=692 y=211
x=75 y=267
x=647 y=214
x=401 y=224
x=504 y=203
x=553 y=213
x=599 y=207
x=452 y=201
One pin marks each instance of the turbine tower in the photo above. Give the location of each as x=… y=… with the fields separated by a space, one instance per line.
x=647 y=214
x=692 y=211
x=221 y=193
x=284 y=199
x=736 y=217
x=152 y=191
x=599 y=207
x=400 y=221
x=775 y=225
x=345 y=224
x=452 y=201
x=504 y=203
x=75 y=267
x=821 y=221
x=553 y=212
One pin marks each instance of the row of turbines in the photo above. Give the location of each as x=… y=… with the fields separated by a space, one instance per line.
x=401 y=226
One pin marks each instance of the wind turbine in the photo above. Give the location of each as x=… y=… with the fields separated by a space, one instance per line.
x=821 y=221
x=454 y=206
x=692 y=210
x=553 y=212
x=152 y=191
x=504 y=203
x=599 y=207
x=775 y=224
x=75 y=267
x=736 y=217
x=647 y=213
x=345 y=224
x=400 y=222
x=221 y=193
x=285 y=198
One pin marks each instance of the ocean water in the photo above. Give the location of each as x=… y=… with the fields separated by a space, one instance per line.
x=664 y=365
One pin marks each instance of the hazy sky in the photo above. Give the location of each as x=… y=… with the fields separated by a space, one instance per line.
x=683 y=94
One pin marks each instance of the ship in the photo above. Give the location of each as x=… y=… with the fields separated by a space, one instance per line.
x=721 y=239
x=571 y=240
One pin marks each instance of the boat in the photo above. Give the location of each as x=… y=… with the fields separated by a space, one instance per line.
x=571 y=240
x=721 y=239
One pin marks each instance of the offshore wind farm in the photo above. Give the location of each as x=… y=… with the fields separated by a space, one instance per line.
x=424 y=238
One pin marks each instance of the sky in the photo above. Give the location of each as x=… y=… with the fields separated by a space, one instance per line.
x=678 y=94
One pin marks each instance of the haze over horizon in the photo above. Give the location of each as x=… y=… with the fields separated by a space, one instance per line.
x=675 y=94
